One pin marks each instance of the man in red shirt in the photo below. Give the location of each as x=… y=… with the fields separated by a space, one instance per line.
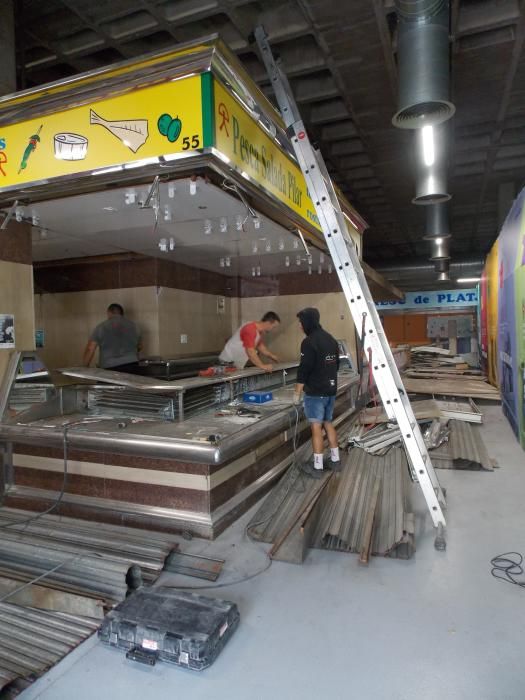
x=247 y=344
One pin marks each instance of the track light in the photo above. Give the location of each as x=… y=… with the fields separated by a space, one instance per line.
x=309 y=269
x=281 y=244
x=239 y=222
x=172 y=244
x=171 y=190
x=222 y=262
x=255 y=249
x=223 y=224
x=258 y=270
x=253 y=272
x=207 y=227
x=130 y=197
x=19 y=214
x=298 y=260
x=268 y=247
x=167 y=214
x=193 y=186
x=163 y=245
x=287 y=261
x=256 y=222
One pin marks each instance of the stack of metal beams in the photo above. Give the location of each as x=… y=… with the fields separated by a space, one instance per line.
x=368 y=509
x=32 y=641
x=90 y=559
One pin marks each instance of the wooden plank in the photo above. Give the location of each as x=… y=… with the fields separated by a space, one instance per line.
x=452 y=387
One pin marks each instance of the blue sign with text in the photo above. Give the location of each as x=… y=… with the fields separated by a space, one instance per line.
x=450 y=298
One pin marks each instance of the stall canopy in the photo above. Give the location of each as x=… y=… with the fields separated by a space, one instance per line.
x=191 y=112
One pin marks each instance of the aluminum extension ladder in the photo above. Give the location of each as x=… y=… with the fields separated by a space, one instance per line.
x=355 y=288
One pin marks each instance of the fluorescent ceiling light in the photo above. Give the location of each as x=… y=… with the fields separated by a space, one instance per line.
x=468 y=279
x=428 y=145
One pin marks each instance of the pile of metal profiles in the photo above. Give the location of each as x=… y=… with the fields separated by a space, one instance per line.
x=32 y=641
x=367 y=508
x=284 y=519
x=88 y=559
x=377 y=440
x=465 y=449
x=422 y=410
x=429 y=409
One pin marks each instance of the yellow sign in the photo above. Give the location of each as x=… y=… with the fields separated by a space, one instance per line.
x=115 y=132
x=243 y=141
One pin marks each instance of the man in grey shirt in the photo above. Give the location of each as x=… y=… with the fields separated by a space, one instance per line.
x=118 y=341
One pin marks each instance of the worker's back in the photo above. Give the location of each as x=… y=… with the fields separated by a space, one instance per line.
x=118 y=339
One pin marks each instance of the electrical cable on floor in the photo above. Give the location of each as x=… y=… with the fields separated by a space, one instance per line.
x=39 y=578
x=507 y=567
x=247 y=533
x=58 y=500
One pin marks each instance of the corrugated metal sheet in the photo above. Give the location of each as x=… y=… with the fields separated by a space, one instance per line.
x=465 y=449
x=81 y=567
x=343 y=524
x=290 y=497
x=32 y=641
x=90 y=558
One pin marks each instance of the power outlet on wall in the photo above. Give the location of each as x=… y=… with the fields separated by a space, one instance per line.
x=183 y=338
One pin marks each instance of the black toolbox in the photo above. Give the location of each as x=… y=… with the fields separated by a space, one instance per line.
x=170 y=625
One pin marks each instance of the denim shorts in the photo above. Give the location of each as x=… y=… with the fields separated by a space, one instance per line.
x=319 y=409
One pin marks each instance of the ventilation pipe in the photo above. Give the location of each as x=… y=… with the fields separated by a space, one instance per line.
x=437 y=224
x=423 y=63
x=431 y=166
x=442 y=267
x=438 y=233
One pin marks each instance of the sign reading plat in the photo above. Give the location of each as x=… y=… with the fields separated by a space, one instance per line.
x=433 y=300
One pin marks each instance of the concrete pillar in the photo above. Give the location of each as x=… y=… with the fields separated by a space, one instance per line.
x=7 y=47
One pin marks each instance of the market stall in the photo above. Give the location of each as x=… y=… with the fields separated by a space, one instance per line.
x=169 y=180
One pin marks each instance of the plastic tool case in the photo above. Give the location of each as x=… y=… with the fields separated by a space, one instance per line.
x=169 y=625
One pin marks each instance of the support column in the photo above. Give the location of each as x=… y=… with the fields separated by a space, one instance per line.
x=7 y=47
x=16 y=287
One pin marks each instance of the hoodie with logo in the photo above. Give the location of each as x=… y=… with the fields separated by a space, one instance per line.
x=319 y=357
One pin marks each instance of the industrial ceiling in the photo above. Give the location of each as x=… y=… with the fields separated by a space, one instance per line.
x=341 y=58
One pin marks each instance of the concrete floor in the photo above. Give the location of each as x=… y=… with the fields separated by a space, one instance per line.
x=438 y=626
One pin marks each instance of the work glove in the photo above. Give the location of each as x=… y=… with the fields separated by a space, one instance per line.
x=296 y=399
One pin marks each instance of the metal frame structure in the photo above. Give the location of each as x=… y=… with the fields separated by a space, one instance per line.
x=355 y=288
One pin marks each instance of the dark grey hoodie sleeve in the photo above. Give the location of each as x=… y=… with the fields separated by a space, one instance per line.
x=307 y=363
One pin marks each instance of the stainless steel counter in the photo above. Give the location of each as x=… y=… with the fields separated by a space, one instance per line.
x=205 y=438
x=212 y=435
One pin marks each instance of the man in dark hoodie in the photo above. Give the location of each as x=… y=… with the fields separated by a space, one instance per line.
x=317 y=376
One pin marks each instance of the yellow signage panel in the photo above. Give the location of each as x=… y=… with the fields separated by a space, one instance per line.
x=244 y=142
x=159 y=120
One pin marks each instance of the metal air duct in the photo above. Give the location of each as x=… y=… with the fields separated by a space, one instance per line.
x=431 y=166
x=440 y=249
x=423 y=63
x=437 y=223
x=442 y=267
